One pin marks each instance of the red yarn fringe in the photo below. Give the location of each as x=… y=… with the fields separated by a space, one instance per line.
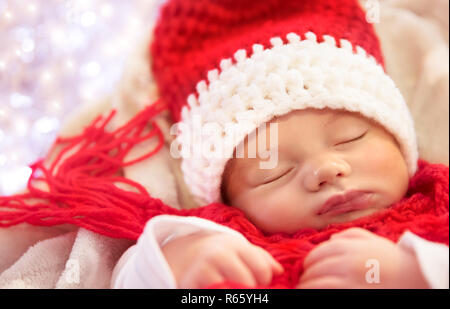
x=80 y=187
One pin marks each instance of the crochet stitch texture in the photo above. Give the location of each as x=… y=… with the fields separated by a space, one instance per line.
x=227 y=67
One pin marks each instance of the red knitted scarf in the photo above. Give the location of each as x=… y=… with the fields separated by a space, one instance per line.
x=423 y=211
x=81 y=189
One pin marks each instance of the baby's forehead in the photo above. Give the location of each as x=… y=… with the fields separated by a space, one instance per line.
x=309 y=122
x=325 y=115
x=293 y=125
x=239 y=165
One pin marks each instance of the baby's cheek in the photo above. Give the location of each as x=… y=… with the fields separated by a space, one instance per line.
x=263 y=210
x=383 y=162
x=275 y=212
x=375 y=159
x=375 y=154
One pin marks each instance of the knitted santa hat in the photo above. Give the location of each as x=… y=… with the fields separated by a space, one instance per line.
x=236 y=64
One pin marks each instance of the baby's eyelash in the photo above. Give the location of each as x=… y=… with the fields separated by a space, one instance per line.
x=278 y=177
x=354 y=139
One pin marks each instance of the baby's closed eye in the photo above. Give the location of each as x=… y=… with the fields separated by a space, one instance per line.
x=277 y=176
x=350 y=140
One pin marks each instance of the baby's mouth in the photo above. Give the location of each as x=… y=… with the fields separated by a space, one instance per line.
x=347 y=202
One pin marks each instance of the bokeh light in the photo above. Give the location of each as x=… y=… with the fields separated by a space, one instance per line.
x=54 y=56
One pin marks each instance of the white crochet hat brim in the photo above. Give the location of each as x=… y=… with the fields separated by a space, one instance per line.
x=272 y=82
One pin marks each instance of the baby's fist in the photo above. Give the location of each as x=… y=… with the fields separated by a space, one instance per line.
x=201 y=259
x=357 y=258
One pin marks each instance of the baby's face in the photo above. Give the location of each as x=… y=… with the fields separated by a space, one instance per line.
x=321 y=153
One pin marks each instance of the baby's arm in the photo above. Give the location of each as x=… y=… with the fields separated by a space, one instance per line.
x=190 y=252
x=357 y=258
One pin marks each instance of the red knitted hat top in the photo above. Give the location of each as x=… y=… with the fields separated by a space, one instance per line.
x=192 y=37
x=235 y=64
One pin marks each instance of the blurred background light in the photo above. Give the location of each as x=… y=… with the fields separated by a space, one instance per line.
x=54 y=56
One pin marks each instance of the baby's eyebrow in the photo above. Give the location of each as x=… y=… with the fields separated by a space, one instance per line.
x=333 y=118
x=256 y=165
x=251 y=170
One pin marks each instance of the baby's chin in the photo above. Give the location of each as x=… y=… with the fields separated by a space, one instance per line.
x=323 y=222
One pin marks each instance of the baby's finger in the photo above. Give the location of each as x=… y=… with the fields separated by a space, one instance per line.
x=354 y=232
x=212 y=278
x=322 y=283
x=329 y=266
x=261 y=263
x=199 y=278
x=234 y=269
x=325 y=249
x=275 y=266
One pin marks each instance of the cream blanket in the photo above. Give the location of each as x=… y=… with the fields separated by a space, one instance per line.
x=414 y=37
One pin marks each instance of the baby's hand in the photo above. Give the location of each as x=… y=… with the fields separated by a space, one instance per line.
x=341 y=261
x=202 y=259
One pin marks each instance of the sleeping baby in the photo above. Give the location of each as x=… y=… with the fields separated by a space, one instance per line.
x=333 y=167
x=347 y=203
x=297 y=146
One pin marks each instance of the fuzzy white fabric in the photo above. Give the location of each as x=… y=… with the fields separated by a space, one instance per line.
x=78 y=259
x=293 y=76
x=413 y=59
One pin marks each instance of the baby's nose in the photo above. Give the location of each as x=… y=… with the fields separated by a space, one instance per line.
x=324 y=170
